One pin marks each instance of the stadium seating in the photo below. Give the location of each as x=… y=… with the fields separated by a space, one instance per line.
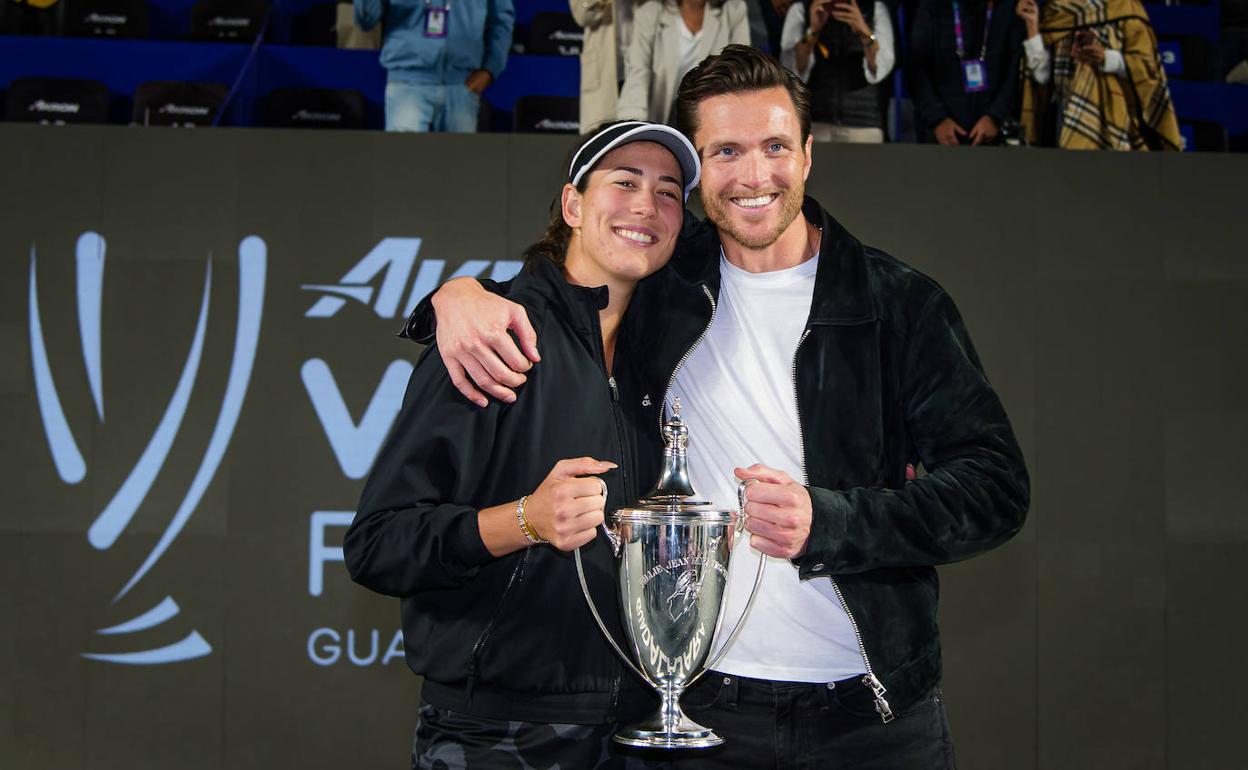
x=178 y=104
x=57 y=101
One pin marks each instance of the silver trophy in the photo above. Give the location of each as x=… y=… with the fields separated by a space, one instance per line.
x=673 y=574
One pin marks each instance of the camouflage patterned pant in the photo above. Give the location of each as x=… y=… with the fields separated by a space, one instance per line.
x=449 y=740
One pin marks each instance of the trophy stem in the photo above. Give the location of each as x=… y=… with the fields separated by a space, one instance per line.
x=670 y=728
x=669 y=707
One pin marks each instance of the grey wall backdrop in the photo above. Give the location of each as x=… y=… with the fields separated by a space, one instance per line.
x=211 y=315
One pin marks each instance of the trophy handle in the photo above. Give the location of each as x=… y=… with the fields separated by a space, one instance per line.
x=613 y=536
x=742 y=516
x=758 y=581
x=612 y=532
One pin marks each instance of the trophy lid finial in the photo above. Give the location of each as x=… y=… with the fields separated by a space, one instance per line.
x=674 y=485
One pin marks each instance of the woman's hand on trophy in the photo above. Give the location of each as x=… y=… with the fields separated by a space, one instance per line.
x=568 y=506
x=778 y=510
x=474 y=343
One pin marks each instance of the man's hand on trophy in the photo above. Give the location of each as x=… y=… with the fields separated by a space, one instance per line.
x=568 y=506
x=779 y=511
x=474 y=343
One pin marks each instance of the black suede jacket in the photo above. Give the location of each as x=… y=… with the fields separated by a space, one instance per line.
x=510 y=637
x=886 y=376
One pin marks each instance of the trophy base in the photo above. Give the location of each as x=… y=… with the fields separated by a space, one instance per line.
x=686 y=734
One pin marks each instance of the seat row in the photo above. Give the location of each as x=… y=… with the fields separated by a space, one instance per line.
x=172 y=103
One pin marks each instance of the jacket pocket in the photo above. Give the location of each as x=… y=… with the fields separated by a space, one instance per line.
x=484 y=639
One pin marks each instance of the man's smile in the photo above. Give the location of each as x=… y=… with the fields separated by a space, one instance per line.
x=756 y=202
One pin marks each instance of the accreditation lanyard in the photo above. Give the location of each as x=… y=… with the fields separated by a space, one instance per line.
x=973 y=70
x=435 y=17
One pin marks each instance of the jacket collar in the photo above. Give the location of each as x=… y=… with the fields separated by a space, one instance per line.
x=578 y=304
x=842 y=285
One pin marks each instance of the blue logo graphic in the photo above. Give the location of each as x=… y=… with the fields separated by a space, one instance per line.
x=68 y=460
x=396 y=259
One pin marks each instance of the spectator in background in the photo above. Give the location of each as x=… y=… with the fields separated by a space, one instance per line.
x=774 y=13
x=608 y=26
x=1233 y=42
x=841 y=53
x=670 y=37
x=31 y=17
x=1108 y=87
x=439 y=56
x=964 y=69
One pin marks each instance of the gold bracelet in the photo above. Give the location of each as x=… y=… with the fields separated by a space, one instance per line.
x=526 y=528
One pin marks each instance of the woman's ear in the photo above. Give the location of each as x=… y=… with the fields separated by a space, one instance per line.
x=570 y=201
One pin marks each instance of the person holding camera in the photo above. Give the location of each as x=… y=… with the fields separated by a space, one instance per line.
x=842 y=51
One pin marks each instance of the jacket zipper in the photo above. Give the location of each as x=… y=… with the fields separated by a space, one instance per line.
x=672 y=380
x=619 y=443
x=870 y=680
x=479 y=645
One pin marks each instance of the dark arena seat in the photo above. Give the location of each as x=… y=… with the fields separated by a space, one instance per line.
x=107 y=18
x=179 y=104
x=535 y=114
x=1186 y=57
x=313 y=108
x=237 y=21
x=57 y=101
x=554 y=34
x=1203 y=136
x=316 y=26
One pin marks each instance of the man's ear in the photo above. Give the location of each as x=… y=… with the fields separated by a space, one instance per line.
x=570 y=203
x=810 y=146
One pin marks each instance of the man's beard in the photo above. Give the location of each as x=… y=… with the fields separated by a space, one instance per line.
x=720 y=210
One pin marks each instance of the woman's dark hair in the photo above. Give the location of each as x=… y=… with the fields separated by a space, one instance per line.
x=553 y=244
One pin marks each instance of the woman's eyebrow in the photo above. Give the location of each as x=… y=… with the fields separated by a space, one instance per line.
x=637 y=171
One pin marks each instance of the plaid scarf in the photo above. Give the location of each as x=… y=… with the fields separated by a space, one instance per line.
x=1100 y=111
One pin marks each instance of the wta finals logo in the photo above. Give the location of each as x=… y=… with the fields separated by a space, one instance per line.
x=70 y=465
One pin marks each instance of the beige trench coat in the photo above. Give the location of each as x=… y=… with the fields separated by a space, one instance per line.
x=604 y=22
x=653 y=56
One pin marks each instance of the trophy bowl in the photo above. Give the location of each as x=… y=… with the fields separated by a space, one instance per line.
x=673 y=553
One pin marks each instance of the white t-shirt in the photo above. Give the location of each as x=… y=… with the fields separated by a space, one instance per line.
x=688 y=50
x=738 y=400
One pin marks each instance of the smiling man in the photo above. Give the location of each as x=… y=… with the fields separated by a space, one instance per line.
x=825 y=370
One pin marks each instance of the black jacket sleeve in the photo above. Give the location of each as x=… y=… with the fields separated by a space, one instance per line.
x=975 y=495
x=422 y=324
x=1004 y=101
x=923 y=60
x=413 y=530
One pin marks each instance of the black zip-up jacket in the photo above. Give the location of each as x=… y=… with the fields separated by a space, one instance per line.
x=510 y=637
x=886 y=376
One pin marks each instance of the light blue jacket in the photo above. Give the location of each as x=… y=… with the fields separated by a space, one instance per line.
x=478 y=36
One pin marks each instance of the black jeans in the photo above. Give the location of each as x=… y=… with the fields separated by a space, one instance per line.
x=801 y=726
x=450 y=740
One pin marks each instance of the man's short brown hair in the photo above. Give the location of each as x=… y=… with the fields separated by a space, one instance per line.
x=736 y=69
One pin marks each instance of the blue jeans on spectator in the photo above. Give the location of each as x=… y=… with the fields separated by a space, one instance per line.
x=428 y=107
